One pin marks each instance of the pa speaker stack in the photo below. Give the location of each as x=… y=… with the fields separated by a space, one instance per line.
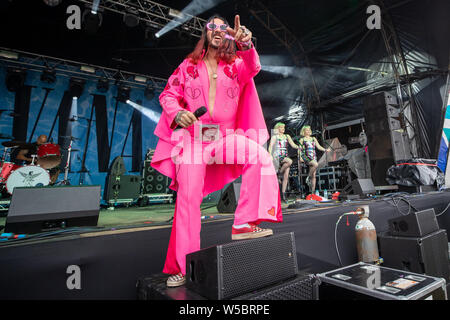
x=263 y=268
x=386 y=134
x=415 y=243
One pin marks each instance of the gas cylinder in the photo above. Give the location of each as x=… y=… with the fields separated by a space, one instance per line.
x=366 y=237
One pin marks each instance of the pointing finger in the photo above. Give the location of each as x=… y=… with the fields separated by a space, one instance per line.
x=237 y=23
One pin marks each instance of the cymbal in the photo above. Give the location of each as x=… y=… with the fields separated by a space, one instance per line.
x=73 y=150
x=14 y=143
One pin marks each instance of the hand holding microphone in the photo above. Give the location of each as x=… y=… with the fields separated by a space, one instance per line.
x=186 y=118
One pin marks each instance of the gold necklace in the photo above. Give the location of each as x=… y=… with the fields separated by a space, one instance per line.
x=214 y=75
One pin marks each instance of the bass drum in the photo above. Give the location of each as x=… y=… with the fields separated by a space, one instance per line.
x=27 y=176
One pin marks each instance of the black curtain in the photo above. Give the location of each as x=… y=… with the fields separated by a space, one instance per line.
x=137 y=141
x=101 y=121
x=21 y=108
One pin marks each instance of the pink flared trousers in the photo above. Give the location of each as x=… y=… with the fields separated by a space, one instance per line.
x=259 y=196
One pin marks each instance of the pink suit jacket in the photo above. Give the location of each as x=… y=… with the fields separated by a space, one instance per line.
x=188 y=89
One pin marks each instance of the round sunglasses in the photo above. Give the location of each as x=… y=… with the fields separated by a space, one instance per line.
x=212 y=26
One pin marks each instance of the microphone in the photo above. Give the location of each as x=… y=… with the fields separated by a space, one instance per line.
x=197 y=113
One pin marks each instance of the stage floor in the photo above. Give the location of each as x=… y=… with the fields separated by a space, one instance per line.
x=112 y=258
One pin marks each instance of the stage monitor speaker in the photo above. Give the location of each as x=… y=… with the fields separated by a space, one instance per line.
x=153 y=181
x=34 y=210
x=240 y=267
x=363 y=187
x=230 y=197
x=358 y=188
x=416 y=224
x=426 y=255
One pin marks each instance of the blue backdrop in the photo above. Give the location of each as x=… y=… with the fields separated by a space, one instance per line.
x=80 y=127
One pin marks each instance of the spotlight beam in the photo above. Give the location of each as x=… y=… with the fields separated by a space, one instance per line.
x=194 y=8
x=95 y=6
x=150 y=114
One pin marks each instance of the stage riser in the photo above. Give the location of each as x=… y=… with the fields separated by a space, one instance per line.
x=111 y=264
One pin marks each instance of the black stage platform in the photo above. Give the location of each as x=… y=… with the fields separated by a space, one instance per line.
x=110 y=263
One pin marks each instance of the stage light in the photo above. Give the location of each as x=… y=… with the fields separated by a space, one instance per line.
x=15 y=79
x=76 y=87
x=176 y=14
x=74 y=110
x=48 y=76
x=149 y=92
x=95 y=6
x=9 y=54
x=103 y=85
x=140 y=79
x=150 y=37
x=123 y=93
x=91 y=22
x=52 y=3
x=131 y=17
x=88 y=69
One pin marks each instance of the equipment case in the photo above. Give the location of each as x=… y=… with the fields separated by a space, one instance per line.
x=364 y=281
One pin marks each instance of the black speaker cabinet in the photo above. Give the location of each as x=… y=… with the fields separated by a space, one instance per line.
x=230 y=197
x=427 y=254
x=34 y=210
x=240 y=267
x=387 y=138
x=363 y=186
x=358 y=188
x=301 y=287
x=153 y=181
x=416 y=224
x=122 y=187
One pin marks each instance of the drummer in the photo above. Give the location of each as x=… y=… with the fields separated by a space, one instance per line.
x=27 y=154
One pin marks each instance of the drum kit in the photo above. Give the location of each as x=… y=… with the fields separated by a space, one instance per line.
x=37 y=174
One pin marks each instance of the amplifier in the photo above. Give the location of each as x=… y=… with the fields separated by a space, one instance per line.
x=240 y=267
x=364 y=281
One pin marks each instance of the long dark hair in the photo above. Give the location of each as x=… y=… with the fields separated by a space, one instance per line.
x=226 y=51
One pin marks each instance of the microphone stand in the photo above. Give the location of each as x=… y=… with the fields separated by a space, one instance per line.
x=66 y=181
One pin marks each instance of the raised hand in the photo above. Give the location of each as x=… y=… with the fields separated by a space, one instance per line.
x=239 y=33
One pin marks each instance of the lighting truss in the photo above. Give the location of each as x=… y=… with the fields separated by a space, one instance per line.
x=155 y=14
x=68 y=68
x=286 y=38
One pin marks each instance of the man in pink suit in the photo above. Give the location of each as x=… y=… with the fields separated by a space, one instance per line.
x=216 y=148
